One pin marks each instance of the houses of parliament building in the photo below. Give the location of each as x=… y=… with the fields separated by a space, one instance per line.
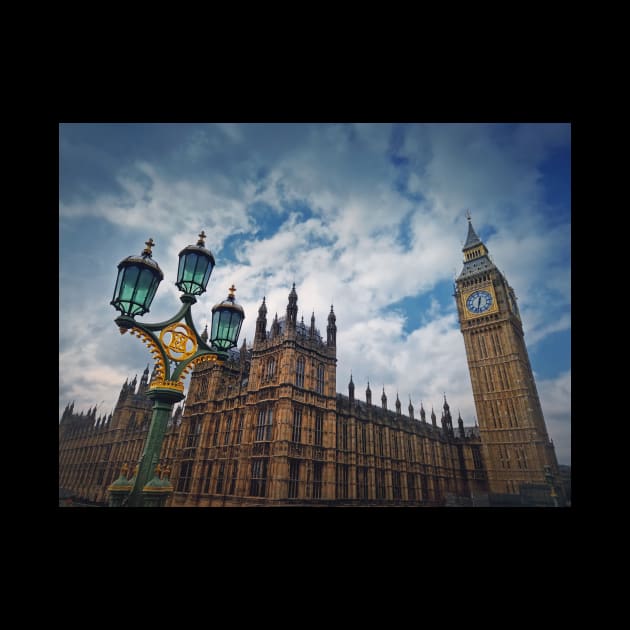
x=267 y=427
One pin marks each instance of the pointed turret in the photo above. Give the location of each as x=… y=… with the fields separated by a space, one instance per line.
x=460 y=424
x=384 y=399
x=351 y=389
x=331 y=329
x=177 y=416
x=447 y=421
x=410 y=408
x=476 y=258
x=423 y=415
x=242 y=361
x=433 y=418
x=311 y=331
x=275 y=327
x=292 y=309
x=144 y=381
x=472 y=239
x=368 y=394
x=261 y=323
x=204 y=334
x=397 y=405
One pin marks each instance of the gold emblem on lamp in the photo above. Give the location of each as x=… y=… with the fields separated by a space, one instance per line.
x=179 y=342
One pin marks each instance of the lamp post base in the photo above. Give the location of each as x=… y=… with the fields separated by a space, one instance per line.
x=164 y=399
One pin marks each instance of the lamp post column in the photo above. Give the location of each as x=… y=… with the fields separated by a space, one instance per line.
x=164 y=400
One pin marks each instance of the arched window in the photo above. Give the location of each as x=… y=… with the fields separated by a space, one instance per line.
x=299 y=372
x=271 y=367
x=193 y=433
x=320 y=379
x=296 y=432
x=265 y=425
x=228 y=426
x=319 y=428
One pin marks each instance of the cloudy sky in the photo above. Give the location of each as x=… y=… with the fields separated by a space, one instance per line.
x=368 y=217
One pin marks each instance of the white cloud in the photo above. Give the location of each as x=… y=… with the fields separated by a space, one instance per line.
x=555 y=400
x=350 y=252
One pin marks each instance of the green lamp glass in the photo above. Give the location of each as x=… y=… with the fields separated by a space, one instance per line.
x=137 y=282
x=195 y=266
x=227 y=319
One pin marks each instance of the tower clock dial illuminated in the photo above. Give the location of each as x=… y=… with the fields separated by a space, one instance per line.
x=479 y=302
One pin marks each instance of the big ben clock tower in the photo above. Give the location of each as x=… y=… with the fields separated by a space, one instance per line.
x=515 y=442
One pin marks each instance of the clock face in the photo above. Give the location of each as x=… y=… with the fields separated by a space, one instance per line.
x=479 y=302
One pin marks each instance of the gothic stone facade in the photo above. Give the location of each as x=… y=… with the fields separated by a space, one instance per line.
x=268 y=428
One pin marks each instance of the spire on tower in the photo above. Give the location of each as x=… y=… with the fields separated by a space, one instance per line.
x=476 y=257
x=292 y=310
x=447 y=421
x=471 y=238
x=144 y=381
x=261 y=323
x=331 y=328
x=384 y=399
x=422 y=413
x=351 y=389
x=397 y=405
x=368 y=394
x=275 y=327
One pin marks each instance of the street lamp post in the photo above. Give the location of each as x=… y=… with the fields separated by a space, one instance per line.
x=176 y=347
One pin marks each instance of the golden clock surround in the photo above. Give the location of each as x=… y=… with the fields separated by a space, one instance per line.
x=493 y=308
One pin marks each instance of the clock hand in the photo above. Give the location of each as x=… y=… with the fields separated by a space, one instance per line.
x=478 y=301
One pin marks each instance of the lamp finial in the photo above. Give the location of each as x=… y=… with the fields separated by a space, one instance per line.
x=147 y=250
